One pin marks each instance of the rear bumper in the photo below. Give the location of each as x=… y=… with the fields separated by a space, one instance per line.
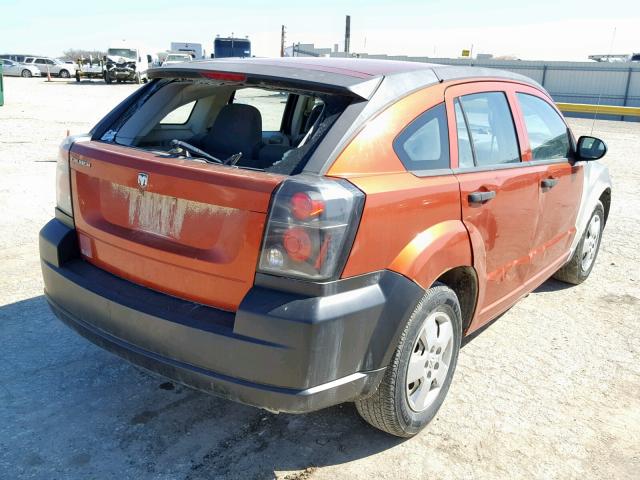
x=298 y=350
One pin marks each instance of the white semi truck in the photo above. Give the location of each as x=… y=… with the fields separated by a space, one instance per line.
x=193 y=49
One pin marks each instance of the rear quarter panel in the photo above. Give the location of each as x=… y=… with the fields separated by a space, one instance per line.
x=410 y=224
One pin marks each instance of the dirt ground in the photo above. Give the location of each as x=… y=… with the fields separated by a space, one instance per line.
x=550 y=390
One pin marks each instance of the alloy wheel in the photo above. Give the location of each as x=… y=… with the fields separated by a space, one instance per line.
x=590 y=244
x=429 y=362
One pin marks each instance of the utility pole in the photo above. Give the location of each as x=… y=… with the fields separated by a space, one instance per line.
x=283 y=35
x=347 y=34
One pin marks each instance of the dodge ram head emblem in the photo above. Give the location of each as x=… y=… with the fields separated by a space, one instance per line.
x=143 y=180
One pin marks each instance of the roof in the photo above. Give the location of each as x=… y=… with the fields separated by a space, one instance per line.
x=358 y=77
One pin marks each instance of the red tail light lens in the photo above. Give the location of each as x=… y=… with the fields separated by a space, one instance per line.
x=297 y=244
x=303 y=207
x=63 y=176
x=311 y=227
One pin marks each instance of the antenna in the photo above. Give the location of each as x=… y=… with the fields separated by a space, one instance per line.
x=595 y=115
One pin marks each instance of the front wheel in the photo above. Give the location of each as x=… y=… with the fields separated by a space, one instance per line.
x=579 y=267
x=26 y=73
x=138 y=78
x=64 y=74
x=416 y=382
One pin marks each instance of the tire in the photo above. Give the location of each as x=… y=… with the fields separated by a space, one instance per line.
x=63 y=74
x=26 y=73
x=395 y=407
x=77 y=76
x=138 y=78
x=579 y=267
x=107 y=78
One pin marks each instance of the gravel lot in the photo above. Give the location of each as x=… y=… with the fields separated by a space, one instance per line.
x=551 y=390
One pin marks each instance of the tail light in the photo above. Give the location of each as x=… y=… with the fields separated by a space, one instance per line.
x=311 y=227
x=63 y=178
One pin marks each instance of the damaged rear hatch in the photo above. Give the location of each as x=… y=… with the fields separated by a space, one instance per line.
x=172 y=220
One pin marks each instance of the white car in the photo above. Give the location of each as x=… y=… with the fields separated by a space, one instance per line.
x=176 y=58
x=53 y=65
x=15 y=69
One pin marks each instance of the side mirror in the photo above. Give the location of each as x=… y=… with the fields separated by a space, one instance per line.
x=591 y=148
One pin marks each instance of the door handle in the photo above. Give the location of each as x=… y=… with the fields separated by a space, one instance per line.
x=481 y=197
x=549 y=183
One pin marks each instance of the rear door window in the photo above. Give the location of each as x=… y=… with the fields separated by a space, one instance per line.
x=465 y=153
x=491 y=127
x=424 y=144
x=548 y=134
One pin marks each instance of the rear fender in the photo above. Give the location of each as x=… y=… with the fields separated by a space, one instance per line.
x=433 y=252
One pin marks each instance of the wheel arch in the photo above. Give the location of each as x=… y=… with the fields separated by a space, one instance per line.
x=463 y=280
x=596 y=187
x=605 y=198
x=433 y=252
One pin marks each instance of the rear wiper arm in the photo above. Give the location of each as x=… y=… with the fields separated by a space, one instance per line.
x=191 y=149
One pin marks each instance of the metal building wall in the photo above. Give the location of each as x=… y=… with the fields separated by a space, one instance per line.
x=570 y=82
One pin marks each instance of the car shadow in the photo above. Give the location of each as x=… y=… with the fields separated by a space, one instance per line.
x=99 y=405
x=552 y=285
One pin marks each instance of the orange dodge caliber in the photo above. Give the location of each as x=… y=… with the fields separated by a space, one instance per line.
x=296 y=233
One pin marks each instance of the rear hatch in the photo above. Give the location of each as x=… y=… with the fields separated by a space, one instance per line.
x=184 y=228
x=178 y=226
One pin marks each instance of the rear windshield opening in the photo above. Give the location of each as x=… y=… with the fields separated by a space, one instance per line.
x=259 y=128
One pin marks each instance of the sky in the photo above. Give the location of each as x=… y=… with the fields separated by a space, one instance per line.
x=540 y=30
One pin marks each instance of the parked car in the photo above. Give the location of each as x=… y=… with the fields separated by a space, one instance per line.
x=15 y=57
x=334 y=247
x=174 y=58
x=52 y=65
x=11 y=68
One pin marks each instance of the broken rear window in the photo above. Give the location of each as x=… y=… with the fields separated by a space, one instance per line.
x=271 y=129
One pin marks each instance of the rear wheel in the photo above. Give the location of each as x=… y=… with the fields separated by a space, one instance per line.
x=416 y=382
x=579 y=267
x=26 y=73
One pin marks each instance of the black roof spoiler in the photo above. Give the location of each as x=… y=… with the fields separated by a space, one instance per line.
x=359 y=87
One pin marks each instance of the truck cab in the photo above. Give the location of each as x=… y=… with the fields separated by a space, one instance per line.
x=126 y=63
